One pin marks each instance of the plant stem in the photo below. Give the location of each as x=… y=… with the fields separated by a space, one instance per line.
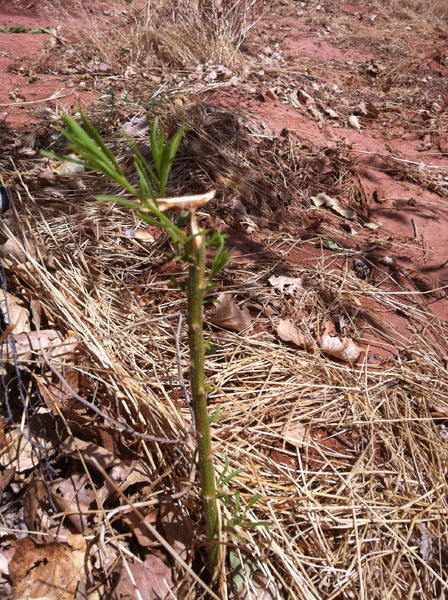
x=196 y=286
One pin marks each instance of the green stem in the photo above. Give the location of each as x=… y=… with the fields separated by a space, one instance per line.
x=196 y=286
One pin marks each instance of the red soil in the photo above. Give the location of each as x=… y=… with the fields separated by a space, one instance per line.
x=22 y=89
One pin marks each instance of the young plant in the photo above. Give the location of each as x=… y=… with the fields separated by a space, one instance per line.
x=150 y=205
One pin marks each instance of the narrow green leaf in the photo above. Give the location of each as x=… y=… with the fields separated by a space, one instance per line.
x=175 y=141
x=251 y=502
x=215 y=416
x=231 y=476
x=143 y=161
x=99 y=140
x=119 y=200
x=224 y=472
x=78 y=136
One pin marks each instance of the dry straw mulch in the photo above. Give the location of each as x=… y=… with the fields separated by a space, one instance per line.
x=357 y=496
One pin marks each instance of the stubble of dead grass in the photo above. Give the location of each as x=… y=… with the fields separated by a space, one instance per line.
x=172 y=35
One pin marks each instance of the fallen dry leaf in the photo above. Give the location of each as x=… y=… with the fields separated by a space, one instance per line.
x=288 y=333
x=229 y=315
x=287 y=285
x=5 y=479
x=325 y=200
x=295 y=432
x=66 y=349
x=73 y=497
x=51 y=571
x=428 y=544
x=372 y=110
x=14 y=312
x=354 y=123
x=343 y=348
x=21 y=451
x=38 y=514
x=55 y=392
x=177 y=527
x=27 y=345
x=36 y=312
x=152 y=578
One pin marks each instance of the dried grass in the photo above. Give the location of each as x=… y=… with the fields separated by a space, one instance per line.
x=170 y=34
x=359 y=509
x=433 y=7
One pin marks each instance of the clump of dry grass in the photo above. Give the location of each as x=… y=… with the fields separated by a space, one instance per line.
x=413 y=8
x=436 y=7
x=172 y=34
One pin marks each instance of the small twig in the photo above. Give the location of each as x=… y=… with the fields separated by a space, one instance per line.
x=53 y=97
x=180 y=375
x=414 y=227
x=91 y=406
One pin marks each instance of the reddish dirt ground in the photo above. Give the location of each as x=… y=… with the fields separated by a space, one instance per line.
x=22 y=88
x=413 y=219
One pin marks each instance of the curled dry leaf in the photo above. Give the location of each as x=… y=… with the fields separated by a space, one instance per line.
x=69 y=168
x=343 y=348
x=183 y=202
x=21 y=452
x=295 y=432
x=287 y=285
x=14 y=312
x=288 y=333
x=28 y=345
x=177 y=527
x=372 y=225
x=144 y=236
x=229 y=315
x=331 y=113
x=354 y=123
x=325 y=200
x=152 y=578
x=50 y=571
